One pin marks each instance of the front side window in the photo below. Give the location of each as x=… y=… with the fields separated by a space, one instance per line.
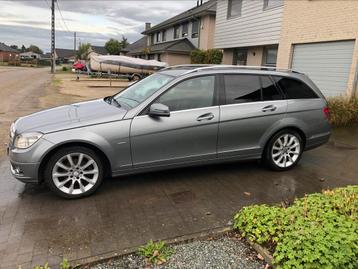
x=140 y=91
x=195 y=29
x=295 y=89
x=250 y=88
x=176 y=32
x=185 y=30
x=234 y=8
x=189 y=94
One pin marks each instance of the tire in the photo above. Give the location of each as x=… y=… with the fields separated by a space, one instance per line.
x=136 y=77
x=284 y=150
x=78 y=180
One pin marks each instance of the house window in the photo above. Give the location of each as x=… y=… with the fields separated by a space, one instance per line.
x=152 y=39
x=234 y=8
x=164 y=35
x=185 y=30
x=151 y=57
x=240 y=57
x=195 y=29
x=270 y=56
x=158 y=37
x=176 y=32
x=272 y=3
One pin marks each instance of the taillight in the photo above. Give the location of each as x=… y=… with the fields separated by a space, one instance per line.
x=326 y=112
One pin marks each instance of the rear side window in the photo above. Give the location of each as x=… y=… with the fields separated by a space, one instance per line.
x=295 y=89
x=249 y=88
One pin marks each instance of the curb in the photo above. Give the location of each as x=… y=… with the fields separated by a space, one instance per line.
x=89 y=261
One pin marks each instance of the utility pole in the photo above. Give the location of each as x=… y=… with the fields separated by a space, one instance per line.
x=74 y=43
x=53 y=63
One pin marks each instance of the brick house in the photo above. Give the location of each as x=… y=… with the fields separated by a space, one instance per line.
x=8 y=54
x=318 y=38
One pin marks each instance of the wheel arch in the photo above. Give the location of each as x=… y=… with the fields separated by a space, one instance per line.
x=105 y=160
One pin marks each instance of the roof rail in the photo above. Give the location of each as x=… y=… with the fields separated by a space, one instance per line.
x=185 y=66
x=247 y=67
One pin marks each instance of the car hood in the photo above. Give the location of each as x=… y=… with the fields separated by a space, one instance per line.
x=70 y=116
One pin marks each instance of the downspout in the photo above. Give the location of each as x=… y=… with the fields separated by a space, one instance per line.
x=355 y=82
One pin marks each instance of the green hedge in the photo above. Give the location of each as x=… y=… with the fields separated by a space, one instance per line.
x=317 y=231
x=211 y=56
x=344 y=111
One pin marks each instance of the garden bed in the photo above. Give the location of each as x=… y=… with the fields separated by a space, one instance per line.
x=317 y=231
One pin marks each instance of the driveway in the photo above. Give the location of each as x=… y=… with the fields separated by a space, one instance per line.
x=37 y=227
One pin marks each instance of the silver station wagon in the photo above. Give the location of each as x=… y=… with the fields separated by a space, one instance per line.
x=180 y=116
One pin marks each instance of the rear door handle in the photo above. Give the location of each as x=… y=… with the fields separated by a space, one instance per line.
x=208 y=116
x=269 y=108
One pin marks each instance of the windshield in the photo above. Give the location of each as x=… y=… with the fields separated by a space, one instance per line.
x=140 y=91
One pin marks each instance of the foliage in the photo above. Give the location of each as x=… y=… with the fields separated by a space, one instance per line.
x=344 y=111
x=114 y=46
x=63 y=265
x=83 y=51
x=211 y=56
x=64 y=68
x=156 y=253
x=15 y=47
x=34 y=49
x=317 y=231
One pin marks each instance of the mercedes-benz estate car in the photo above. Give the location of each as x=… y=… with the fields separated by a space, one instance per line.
x=180 y=116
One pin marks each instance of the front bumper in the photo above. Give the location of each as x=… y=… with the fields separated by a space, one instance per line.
x=25 y=163
x=25 y=172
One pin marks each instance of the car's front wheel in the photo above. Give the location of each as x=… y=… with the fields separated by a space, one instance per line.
x=284 y=150
x=74 y=172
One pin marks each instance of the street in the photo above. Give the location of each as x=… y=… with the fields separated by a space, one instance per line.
x=37 y=227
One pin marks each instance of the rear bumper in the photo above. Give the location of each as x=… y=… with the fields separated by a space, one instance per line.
x=317 y=140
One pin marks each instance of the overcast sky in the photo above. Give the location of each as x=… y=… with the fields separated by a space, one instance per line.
x=28 y=21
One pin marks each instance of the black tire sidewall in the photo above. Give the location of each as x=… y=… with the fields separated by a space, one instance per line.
x=63 y=152
x=268 y=156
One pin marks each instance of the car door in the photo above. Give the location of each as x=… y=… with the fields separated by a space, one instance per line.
x=252 y=104
x=188 y=134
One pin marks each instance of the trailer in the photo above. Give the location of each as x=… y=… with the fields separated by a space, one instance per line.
x=122 y=67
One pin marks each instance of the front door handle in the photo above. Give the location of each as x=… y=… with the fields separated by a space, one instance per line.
x=270 y=108
x=208 y=116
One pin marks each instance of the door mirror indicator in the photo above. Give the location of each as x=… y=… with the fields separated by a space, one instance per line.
x=159 y=110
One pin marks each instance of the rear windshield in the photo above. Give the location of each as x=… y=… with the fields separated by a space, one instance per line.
x=295 y=89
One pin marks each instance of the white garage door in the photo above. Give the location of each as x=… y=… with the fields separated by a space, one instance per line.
x=328 y=64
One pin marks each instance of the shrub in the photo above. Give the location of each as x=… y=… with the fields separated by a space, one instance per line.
x=344 y=111
x=64 y=68
x=156 y=253
x=317 y=231
x=211 y=56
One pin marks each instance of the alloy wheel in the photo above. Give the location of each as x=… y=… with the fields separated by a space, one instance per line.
x=286 y=150
x=75 y=173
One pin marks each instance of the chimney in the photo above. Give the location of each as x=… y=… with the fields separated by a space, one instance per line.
x=148 y=25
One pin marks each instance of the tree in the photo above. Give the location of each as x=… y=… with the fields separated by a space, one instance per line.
x=14 y=47
x=23 y=48
x=34 y=49
x=113 y=46
x=83 y=51
x=124 y=42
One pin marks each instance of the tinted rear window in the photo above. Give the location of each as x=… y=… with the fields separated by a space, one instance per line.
x=250 y=88
x=295 y=89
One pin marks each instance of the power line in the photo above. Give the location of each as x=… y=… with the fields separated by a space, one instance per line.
x=64 y=22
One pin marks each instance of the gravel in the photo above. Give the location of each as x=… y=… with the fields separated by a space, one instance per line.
x=225 y=252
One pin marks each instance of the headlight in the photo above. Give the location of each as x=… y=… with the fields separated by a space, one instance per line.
x=26 y=140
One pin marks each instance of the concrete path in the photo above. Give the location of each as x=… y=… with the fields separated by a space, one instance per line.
x=37 y=227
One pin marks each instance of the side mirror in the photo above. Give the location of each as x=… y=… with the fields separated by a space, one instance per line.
x=159 y=110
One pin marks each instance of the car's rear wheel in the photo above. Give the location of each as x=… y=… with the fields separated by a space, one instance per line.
x=284 y=150
x=74 y=172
